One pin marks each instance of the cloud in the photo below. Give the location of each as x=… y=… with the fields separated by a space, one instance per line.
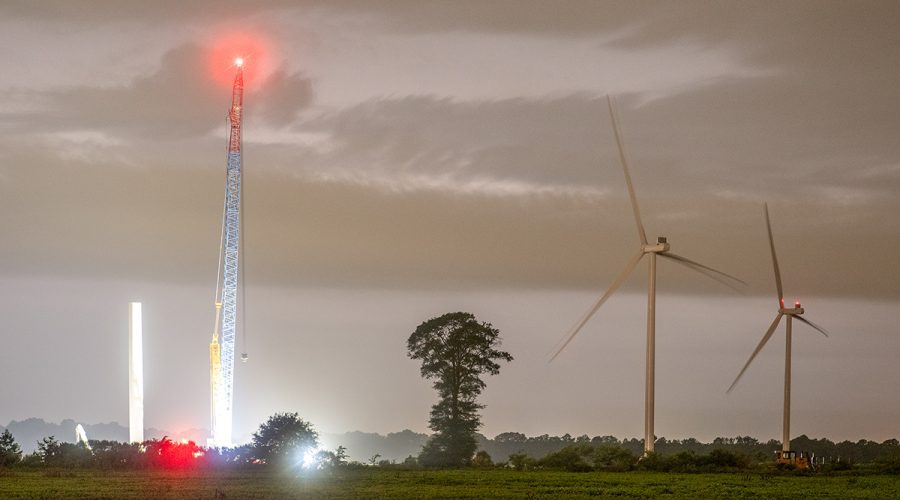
x=462 y=143
x=176 y=102
x=99 y=11
x=281 y=96
x=429 y=192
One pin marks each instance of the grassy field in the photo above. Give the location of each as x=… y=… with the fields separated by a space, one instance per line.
x=380 y=483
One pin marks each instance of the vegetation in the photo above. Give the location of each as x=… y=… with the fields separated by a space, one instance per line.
x=286 y=440
x=281 y=437
x=10 y=452
x=863 y=451
x=577 y=467
x=455 y=350
x=586 y=457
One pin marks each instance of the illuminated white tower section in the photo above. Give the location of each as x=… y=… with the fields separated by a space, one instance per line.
x=135 y=374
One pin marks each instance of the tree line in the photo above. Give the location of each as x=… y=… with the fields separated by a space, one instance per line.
x=862 y=451
x=287 y=442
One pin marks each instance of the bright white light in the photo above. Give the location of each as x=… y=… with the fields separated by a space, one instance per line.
x=239 y=61
x=81 y=436
x=135 y=374
x=309 y=458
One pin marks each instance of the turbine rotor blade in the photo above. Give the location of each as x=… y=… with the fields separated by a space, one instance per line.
x=810 y=323
x=706 y=271
x=612 y=288
x=634 y=204
x=762 y=342
x=774 y=259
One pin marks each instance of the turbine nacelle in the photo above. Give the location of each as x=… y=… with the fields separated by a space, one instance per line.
x=661 y=246
x=792 y=311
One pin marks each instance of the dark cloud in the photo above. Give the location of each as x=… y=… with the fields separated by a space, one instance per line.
x=767 y=26
x=281 y=96
x=102 y=11
x=176 y=102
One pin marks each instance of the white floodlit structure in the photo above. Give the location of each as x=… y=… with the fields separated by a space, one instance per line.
x=135 y=374
x=81 y=436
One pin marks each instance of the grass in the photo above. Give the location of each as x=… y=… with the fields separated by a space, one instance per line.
x=394 y=483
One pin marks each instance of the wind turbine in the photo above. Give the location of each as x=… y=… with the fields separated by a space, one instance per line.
x=661 y=248
x=791 y=313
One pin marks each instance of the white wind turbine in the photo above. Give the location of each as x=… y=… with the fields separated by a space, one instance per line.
x=791 y=313
x=661 y=248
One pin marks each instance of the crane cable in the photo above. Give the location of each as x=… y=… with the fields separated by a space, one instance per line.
x=218 y=298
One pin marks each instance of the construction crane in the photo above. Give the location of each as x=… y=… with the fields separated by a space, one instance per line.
x=221 y=353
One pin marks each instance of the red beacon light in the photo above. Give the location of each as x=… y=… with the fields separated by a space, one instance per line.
x=797 y=304
x=239 y=62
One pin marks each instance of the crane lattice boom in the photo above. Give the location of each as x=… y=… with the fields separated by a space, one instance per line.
x=222 y=385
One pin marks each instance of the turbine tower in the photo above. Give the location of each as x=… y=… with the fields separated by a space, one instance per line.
x=791 y=313
x=135 y=373
x=661 y=248
x=221 y=353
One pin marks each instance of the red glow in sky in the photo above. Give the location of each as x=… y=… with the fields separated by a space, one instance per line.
x=253 y=50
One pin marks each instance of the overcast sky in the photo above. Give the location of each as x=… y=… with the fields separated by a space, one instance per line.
x=407 y=159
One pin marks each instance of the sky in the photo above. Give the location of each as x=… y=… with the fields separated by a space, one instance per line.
x=405 y=159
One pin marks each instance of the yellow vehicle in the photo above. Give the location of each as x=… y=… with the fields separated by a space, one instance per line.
x=799 y=461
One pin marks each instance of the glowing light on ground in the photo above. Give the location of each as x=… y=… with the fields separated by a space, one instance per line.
x=309 y=458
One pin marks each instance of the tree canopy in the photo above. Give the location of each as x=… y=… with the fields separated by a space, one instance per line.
x=10 y=452
x=455 y=350
x=283 y=438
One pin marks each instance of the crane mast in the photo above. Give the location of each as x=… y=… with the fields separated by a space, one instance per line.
x=221 y=348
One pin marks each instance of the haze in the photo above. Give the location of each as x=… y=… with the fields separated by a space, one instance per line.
x=407 y=159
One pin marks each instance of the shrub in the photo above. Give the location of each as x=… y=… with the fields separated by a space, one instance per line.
x=521 y=461
x=573 y=458
x=613 y=459
x=889 y=464
x=482 y=459
x=721 y=459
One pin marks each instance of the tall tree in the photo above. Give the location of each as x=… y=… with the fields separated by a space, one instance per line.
x=283 y=438
x=10 y=452
x=455 y=350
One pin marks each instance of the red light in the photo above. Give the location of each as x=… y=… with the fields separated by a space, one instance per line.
x=175 y=455
x=797 y=304
x=233 y=49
